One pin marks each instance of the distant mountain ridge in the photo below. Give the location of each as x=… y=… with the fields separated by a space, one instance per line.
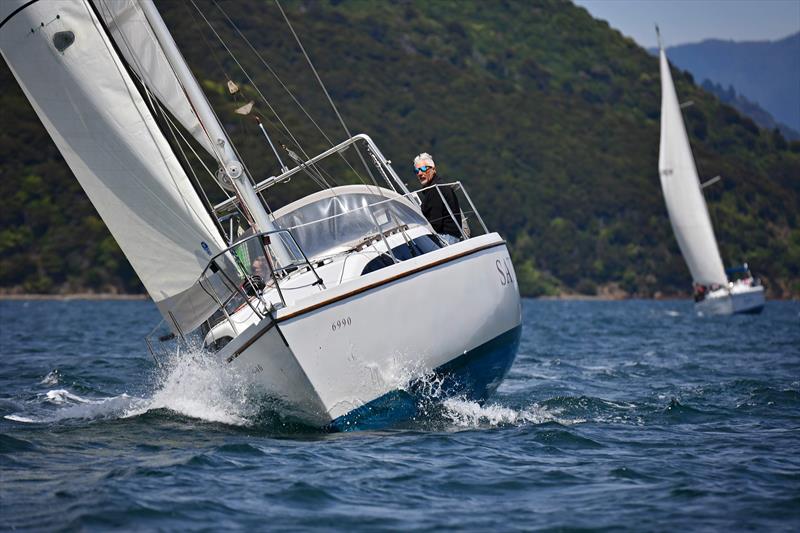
x=761 y=116
x=765 y=72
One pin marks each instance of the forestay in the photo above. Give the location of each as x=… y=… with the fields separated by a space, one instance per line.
x=687 y=209
x=68 y=68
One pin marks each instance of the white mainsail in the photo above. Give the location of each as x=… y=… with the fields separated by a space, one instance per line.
x=76 y=82
x=686 y=206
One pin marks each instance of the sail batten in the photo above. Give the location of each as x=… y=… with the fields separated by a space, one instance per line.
x=101 y=124
x=686 y=206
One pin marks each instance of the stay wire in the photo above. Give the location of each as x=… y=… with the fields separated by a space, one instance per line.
x=325 y=90
x=288 y=92
x=109 y=13
x=318 y=177
x=236 y=95
x=249 y=79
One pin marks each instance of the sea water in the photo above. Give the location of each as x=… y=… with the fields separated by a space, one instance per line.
x=631 y=415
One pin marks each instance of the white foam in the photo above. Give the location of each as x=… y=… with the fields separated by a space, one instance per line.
x=17 y=418
x=50 y=379
x=63 y=396
x=72 y=406
x=469 y=414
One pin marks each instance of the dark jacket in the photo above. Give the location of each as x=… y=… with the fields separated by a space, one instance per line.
x=435 y=211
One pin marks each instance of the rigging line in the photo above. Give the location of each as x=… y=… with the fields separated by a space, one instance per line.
x=121 y=68
x=285 y=88
x=157 y=106
x=252 y=82
x=174 y=128
x=324 y=184
x=324 y=89
x=275 y=75
x=235 y=96
x=207 y=43
x=154 y=102
x=151 y=34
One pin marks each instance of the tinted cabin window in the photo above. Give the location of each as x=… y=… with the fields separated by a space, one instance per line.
x=419 y=246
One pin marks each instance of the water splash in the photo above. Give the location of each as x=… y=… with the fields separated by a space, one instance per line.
x=198 y=385
x=193 y=384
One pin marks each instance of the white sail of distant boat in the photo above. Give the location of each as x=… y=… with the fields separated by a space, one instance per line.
x=324 y=304
x=688 y=212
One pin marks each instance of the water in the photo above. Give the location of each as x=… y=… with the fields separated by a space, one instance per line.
x=616 y=415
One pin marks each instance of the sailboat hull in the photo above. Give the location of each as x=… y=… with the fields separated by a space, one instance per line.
x=363 y=354
x=741 y=299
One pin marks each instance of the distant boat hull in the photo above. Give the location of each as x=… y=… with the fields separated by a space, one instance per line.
x=361 y=355
x=739 y=299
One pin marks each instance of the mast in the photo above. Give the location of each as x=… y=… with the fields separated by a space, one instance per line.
x=231 y=169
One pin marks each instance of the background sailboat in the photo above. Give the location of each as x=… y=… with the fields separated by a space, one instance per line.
x=688 y=214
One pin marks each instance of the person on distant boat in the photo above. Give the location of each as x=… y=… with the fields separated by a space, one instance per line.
x=699 y=292
x=433 y=207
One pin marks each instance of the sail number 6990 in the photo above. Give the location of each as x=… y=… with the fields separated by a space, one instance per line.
x=339 y=324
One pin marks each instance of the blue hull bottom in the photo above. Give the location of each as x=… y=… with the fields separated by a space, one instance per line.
x=473 y=376
x=751 y=311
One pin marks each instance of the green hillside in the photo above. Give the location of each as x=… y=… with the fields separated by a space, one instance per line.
x=548 y=116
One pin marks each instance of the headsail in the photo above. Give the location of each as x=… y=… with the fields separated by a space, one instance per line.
x=139 y=46
x=686 y=206
x=67 y=66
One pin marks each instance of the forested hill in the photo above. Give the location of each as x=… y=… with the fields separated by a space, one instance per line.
x=548 y=116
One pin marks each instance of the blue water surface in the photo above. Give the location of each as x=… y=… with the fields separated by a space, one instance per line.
x=632 y=415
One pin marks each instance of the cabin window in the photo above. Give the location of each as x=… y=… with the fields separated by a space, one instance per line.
x=416 y=247
x=219 y=344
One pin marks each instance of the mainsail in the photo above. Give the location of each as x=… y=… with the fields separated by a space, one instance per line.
x=70 y=71
x=686 y=206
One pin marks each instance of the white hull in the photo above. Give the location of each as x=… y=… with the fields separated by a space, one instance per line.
x=353 y=344
x=740 y=298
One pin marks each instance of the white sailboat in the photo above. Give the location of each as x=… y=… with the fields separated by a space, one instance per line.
x=688 y=214
x=344 y=306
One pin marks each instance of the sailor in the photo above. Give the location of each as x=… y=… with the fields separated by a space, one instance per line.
x=699 y=292
x=433 y=207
